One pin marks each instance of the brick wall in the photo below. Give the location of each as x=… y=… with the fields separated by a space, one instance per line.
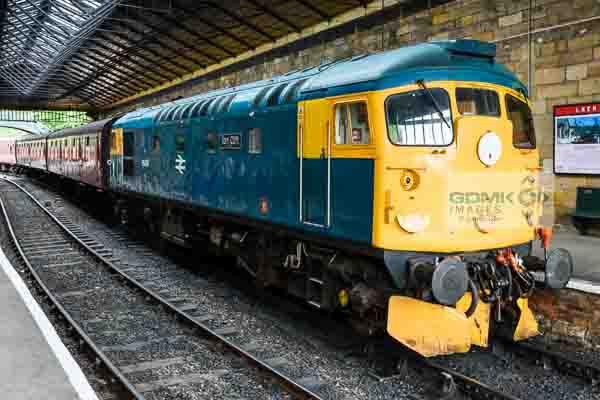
x=565 y=57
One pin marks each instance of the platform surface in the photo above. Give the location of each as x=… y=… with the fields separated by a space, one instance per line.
x=584 y=249
x=34 y=363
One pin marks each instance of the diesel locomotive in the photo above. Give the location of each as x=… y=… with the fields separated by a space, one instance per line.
x=398 y=188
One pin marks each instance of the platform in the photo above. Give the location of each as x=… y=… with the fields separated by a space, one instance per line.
x=584 y=249
x=34 y=363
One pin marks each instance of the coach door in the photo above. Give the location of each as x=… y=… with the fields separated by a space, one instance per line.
x=314 y=144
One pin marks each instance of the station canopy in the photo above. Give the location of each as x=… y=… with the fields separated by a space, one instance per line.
x=88 y=54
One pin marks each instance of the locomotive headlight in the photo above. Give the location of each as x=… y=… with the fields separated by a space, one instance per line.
x=413 y=223
x=489 y=149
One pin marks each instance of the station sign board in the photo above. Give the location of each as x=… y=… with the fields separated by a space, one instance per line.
x=577 y=139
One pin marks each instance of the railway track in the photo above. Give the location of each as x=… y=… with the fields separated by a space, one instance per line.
x=131 y=328
x=566 y=364
x=452 y=380
x=521 y=371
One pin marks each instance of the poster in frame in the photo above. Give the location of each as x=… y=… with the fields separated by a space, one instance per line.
x=577 y=139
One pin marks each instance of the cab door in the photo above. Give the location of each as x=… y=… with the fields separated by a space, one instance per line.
x=314 y=146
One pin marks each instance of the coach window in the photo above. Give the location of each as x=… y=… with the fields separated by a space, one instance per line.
x=352 y=124
x=255 y=141
x=522 y=121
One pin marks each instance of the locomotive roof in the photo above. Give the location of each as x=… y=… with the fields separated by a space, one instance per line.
x=467 y=60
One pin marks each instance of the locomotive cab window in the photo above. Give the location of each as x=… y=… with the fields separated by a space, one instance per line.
x=352 y=124
x=520 y=115
x=420 y=118
x=482 y=102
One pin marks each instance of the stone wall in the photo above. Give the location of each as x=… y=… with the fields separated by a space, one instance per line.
x=565 y=57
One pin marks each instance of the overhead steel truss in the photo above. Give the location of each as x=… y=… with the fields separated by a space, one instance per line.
x=92 y=53
x=44 y=116
x=39 y=36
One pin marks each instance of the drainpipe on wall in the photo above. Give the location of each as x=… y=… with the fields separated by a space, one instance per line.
x=529 y=50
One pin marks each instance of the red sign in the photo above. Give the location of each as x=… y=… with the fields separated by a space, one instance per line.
x=577 y=109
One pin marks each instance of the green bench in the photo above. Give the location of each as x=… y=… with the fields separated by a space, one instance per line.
x=587 y=208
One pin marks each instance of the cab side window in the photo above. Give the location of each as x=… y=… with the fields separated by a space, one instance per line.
x=520 y=116
x=352 y=124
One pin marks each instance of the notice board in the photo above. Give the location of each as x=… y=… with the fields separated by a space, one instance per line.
x=577 y=139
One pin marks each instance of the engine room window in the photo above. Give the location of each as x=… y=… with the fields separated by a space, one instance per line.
x=419 y=118
x=255 y=141
x=155 y=144
x=352 y=124
x=478 y=102
x=179 y=143
x=520 y=116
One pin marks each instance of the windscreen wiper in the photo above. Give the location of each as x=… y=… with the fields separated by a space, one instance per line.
x=421 y=83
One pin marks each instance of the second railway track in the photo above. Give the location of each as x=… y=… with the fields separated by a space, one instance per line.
x=120 y=317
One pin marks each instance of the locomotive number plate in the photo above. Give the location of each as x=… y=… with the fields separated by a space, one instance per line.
x=231 y=141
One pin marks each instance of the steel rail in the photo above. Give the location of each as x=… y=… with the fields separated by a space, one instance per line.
x=285 y=381
x=471 y=386
x=90 y=343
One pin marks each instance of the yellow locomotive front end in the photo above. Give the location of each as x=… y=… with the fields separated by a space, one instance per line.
x=457 y=205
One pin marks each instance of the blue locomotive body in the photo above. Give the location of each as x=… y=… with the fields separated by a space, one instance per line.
x=236 y=150
x=241 y=158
